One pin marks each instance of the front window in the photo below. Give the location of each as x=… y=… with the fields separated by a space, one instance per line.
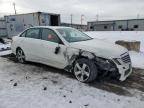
x=49 y=35
x=73 y=35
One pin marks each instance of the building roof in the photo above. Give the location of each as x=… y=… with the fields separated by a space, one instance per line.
x=34 y=13
x=73 y=24
x=116 y=20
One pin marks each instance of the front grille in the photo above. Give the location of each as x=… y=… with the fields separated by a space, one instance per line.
x=125 y=58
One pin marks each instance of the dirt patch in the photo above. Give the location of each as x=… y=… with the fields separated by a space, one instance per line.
x=135 y=81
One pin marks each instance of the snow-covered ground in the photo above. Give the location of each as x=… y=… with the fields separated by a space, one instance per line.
x=3 y=47
x=38 y=86
x=137 y=59
x=2 y=53
x=113 y=36
x=22 y=86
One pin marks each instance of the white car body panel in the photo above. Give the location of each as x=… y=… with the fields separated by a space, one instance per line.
x=43 y=51
x=49 y=57
x=100 y=48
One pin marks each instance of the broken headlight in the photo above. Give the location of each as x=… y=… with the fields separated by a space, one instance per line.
x=117 y=61
x=105 y=64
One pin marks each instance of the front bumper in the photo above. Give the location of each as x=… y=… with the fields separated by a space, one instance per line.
x=119 y=67
x=124 y=66
x=124 y=71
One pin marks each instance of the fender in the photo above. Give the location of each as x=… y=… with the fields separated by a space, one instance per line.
x=74 y=54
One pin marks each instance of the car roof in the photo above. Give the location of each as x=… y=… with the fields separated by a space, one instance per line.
x=50 y=27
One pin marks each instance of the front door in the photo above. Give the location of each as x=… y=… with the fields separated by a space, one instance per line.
x=50 y=41
x=31 y=44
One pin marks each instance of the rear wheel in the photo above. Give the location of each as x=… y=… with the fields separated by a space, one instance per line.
x=85 y=70
x=20 y=55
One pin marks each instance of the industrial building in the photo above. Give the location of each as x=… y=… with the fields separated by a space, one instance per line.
x=3 y=31
x=76 y=26
x=15 y=24
x=117 y=25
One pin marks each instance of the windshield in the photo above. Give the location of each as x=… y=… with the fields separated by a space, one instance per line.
x=73 y=35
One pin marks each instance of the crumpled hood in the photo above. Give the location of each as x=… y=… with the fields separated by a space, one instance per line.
x=100 y=48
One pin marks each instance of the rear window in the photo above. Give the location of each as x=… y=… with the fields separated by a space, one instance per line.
x=33 y=33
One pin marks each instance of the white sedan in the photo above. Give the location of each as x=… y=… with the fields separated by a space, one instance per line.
x=72 y=50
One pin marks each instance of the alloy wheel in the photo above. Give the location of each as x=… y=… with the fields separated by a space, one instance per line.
x=20 y=56
x=82 y=71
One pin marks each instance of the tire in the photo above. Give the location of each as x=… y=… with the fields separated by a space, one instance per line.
x=20 y=56
x=85 y=70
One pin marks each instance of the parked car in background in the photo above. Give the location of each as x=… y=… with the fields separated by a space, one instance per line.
x=72 y=50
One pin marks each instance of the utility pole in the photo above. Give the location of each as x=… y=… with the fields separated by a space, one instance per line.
x=82 y=19
x=71 y=19
x=138 y=16
x=14 y=8
x=97 y=17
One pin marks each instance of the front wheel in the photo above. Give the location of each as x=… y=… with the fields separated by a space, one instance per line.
x=85 y=70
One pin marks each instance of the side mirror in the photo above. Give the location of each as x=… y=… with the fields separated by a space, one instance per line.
x=60 y=42
x=57 y=49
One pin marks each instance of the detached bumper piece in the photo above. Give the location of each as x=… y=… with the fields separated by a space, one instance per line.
x=123 y=65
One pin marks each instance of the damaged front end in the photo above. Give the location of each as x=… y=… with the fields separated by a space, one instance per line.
x=119 y=68
x=106 y=67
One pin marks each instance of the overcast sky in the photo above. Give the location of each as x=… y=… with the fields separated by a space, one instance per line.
x=106 y=9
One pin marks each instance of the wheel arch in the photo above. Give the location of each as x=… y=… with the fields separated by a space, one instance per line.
x=81 y=54
x=84 y=54
x=18 y=48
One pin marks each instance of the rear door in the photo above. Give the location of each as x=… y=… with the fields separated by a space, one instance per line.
x=30 y=43
x=50 y=41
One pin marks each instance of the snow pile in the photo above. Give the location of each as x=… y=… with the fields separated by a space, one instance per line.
x=4 y=46
x=2 y=53
x=137 y=59
x=17 y=91
x=3 y=49
x=113 y=36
